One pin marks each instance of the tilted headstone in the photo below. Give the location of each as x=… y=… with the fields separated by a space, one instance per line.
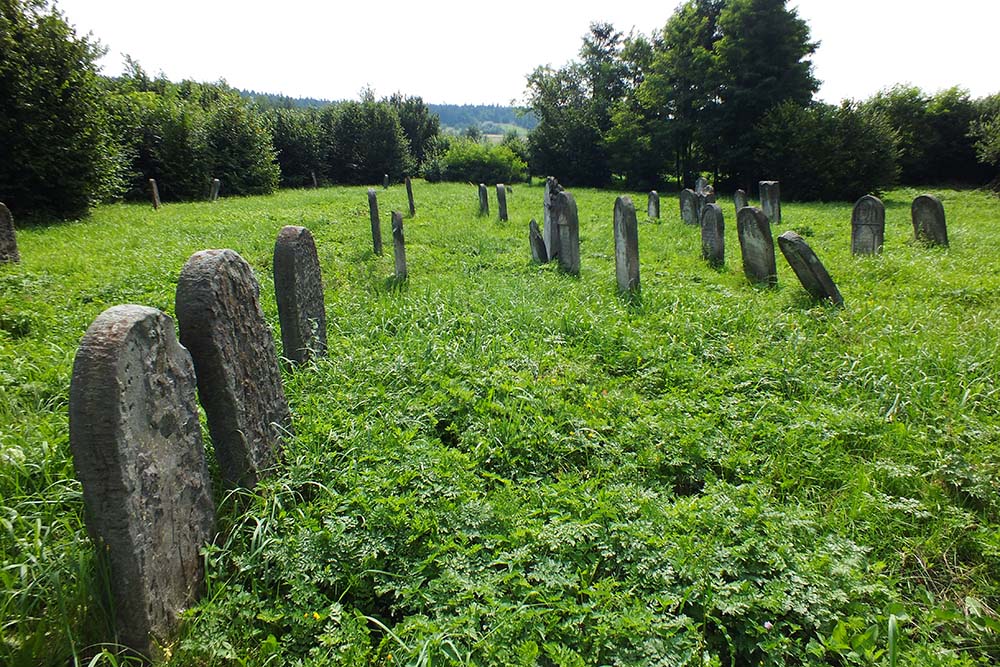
x=216 y=185
x=626 y=245
x=770 y=201
x=810 y=271
x=154 y=192
x=409 y=196
x=298 y=289
x=713 y=231
x=700 y=184
x=239 y=383
x=867 y=226
x=137 y=450
x=653 y=205
x=385 y=182
x=740 y=200
x=929 y=226
x=8 y=239
x=399 y=245
x=567 y=224
x=502 y=201
x=538 y=252
x=484 y=200
x=689 y=206
x=376 y=226
x=549 y=231
x=756 y=246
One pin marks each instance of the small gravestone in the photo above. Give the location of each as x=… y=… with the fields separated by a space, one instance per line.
x=298 y=289
x=137 y=450
x=154 y=192
x=927 y=212
x=756 y=246
x=626 y=245
x=538 y=252
x=701 y=200
x=8 y=239
x=409 y=197
x=385 y=182
x=549 y=231
x=399 y=245
x=653 y=205
x=484 y=200
x=376 y=226
x=315 y=182
x=810 y=271
x=713 y=229
x=740 y=200
x=700 y=184
x=502 y=201
x=770 y=201
x=214 y=194
x=239 y=384
x=567 y=224
x=689 y=206
x=867 y=226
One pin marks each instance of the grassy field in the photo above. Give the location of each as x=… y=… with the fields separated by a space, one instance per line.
x=499 y=464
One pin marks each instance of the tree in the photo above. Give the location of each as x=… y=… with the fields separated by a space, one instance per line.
x=297 y=135
x=240 y=149
x=420 y=126
x=986 y=132
x=363 y=141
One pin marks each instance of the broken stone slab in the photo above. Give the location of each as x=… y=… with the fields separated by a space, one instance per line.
x=929 y=226
x=770 y=201
x=298 y=289
x=867 y=226
x=399 y=246
x=626 y=245
x=653 y=205
x=376 y=226
x=502 y=201
x=810 y=271
x=8 y=238
x=567 y=224
x=538 y=251
x=756 y=246
x=713 y=230
x=689 y=206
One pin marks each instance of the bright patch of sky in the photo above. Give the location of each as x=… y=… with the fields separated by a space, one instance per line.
x=457 y=52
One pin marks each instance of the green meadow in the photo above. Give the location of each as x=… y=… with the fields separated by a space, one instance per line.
x=500 y=464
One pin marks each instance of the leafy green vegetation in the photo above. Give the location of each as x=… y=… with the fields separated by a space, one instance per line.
x=501 y=464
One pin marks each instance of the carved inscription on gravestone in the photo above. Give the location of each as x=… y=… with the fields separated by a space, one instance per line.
x=867 y=226
x=810 y=271
x=927 y=213
x=298 y=289
x=756 y=246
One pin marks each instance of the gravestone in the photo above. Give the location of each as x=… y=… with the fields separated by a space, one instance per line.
x=298 y=289
x=538 y=252
x=484 y=200
x=409 y=196
x=929 y=226
x=567 y=224
x=154 y=192
x=713 y=230
x=689 y=206
x=756 y=246
x=8 y=238
x=701 y=201
x=626 y=245
x=810 y=271
x=653 y=205
x=399 y=245
x=216 y=185
x=137 y=450
x=867 y=226
x=385 y=182
x=502 y=201
x=549 y=231
x=376 y=226
x=700 y=184
x=770 y=201
x=239 y=384
x=315 y=182
x=740 y=200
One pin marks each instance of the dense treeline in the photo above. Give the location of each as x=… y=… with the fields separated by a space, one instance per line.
x=462 y=116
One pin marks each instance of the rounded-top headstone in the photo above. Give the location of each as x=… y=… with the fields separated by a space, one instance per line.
x=809 y=270
x=8 y=238
x=867 y=226
x=689 y=206
x=298 y=290
x=713 y=228
x=756 y=246
x=929 y=226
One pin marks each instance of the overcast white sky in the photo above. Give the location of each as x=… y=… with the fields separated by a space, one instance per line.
x=461 y=52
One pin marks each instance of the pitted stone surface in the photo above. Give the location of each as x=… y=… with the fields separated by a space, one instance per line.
x=567 y=224
x=626 y=245
x=8 y=238
x=298 y=289
x=538 y=252
x=713 y=229
x=810 y=271
x=929 y=226
x=867 y=226
x=376 y=226
x=756 y=246
x=689 y=207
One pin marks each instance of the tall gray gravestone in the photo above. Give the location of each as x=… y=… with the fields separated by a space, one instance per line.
x=810 y=271
x=137 y=451
x=239 y=383
x=867 y=226
x=549 y=231
x=399 y=246
x=216 y=186
x=484 y=200
x=700 y=184
x=929 y=226
x=8 y=238
x=502 y=201
x=315 y=182
x=567 y=224
x=626 y=245
x=385 y=182
x=653 y=205
x=689 y=206
x=538 y=252
x=740 y=200
x=756 y=246
x=770 y=201
x=713 y=232
x=376 y=225
x=154 y=192
x=298 y=289
x=409 y=196
x=701 y=200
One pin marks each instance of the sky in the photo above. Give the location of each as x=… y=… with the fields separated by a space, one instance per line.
x=461 y=52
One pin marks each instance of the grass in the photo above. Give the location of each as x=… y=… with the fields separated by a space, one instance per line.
x=501 y=464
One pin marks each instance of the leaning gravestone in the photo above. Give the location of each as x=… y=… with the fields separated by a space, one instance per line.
x=740 y=200
x=239 y=384
x=756 y=246
x=154 y=192
x=399 y=246
x=567 y=224
x=626 y=245
x=409 y=196
x=867 y=226
x=689 y=206
x=216 y=185
x=137 y=450
x=713 y=230
x=549 y=231
x=484 y=200
x=376 y=226
x=770 y=201
x=810 y=271
x=538 y=252
x=502 y=201
x=927 y=212
x=653 y=205
x=8 y=239
x=298 y=289
x=700 y=184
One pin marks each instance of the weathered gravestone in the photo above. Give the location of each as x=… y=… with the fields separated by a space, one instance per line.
x=484 y=200
x=810 y=271
x=399 y=245
x=137 y=450
x=154 y=192
x=713 y=230
x=216 y=185
x=756 y=246
x=929 y=226
x=409 y=196
x=702 y=200
x=502 y=201
x=385 y=182
x=538 y=252
x=376 y=226
x=549 y=231
x=626 y=245
x=770 y=201
x=315 y=182
x=867 y=226
x=689 y=207
x=239 y=383
x=8 y=239
x=653 y=205
x=298 y=289
x=700 y=184
x=567 y=224
x=709 y=193
x=740 y=200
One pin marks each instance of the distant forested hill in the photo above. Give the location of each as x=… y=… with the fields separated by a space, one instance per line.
x=273 y=101
x=461 y=116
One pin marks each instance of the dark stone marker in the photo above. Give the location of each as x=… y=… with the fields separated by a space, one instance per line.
x=567 y=224
x=740 y=200
x=484 y=200
x=502 y=201
x=653 y=205
x=713 y=231
x=626 y=245
x=409 y=196
x=806 y=265
x=701 y=200
x=8 y=239
x=689 y=207
x=399 y=245
x=538 y=252
x=928 y=220
x=756 y=246
x=239 y=384
x=770 y=201
x=137 y=451
x=385 y=182
x=549 y=231
x=700 y=184
x=867 y=226
x=298 y=289
x=376 y=226
x=154 y=193
x=216 y=184
x=315 y=182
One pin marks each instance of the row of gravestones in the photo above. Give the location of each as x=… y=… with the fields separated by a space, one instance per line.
x=213 y=195
x=135 y=435
x=484 y=201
